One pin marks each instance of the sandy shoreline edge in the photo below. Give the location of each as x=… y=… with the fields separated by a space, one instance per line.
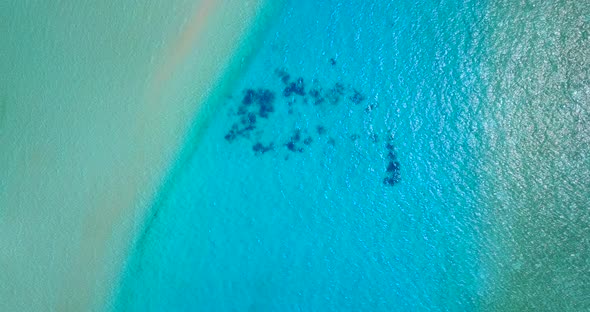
x=95 y=116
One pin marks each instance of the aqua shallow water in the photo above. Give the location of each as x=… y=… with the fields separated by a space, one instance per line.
x=345 y=171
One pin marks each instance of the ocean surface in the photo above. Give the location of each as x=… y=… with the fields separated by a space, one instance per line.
x=386 y=156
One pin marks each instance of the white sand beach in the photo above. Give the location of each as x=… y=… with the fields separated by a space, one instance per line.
x=96 y=101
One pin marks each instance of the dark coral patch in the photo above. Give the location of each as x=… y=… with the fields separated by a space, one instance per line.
x=374 y=138
x=297 y=88
x=265 y=101
x=391 y=181
x=281 y=73
x=316 y=95
x=236 y=132
x=357 y=97
x=335 y=93
x=393 y=166
x=260 y=149
x=296 y=135
x=249 y=96
x=292 y=145
x=254 y=103
x=230 y=136
x=264 y=98
x=242 y=110
x=370 y=108
x=338 y=88
x=257 y=105
x=248 y=119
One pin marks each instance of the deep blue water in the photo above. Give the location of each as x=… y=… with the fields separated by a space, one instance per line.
x=351 y=189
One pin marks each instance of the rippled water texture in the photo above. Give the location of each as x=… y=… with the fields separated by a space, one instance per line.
x=387 y=156
x=536 y=161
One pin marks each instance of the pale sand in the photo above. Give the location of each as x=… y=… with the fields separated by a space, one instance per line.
x=95 y=104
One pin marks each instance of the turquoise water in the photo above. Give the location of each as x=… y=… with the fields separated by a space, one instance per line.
x=345 y=172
